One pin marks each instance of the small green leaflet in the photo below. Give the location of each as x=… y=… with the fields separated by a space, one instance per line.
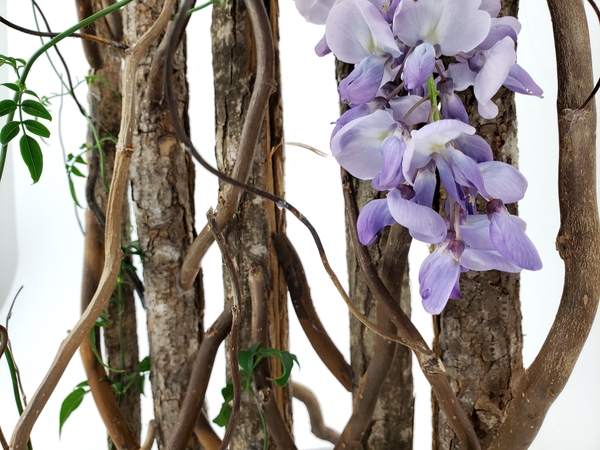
x=12 y=86
x=32 y=155
x=71 y=403
x=7 y=107
x=36 y=109
x=9 y=131
x=37 y=128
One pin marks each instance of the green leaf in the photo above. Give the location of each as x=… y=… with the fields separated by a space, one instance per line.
x=287 y=360
x=83 y=384
x=74 y=197
x=70 y=404
x=144 y=365
x=12 y=86
x=9 y=131
x=32 y=155
x=80 y=160
x=37 y=128
x=246 y=361
x=75 y=171
x=36 y=109
x=27 y=91
x=140 y=381
x=7 y=107
x=225 y=413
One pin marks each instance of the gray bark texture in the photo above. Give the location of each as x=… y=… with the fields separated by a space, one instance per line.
x=248 y=234
x=162 y=181
x=391 y=426
x=479 y=337
x=120 y=333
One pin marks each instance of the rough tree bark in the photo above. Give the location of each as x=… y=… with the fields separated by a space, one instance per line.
x=249 y=232
x=120 y=333
x=392 y=422
x=162 y=179
x=479 y=337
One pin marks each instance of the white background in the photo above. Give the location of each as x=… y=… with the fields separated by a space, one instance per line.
x=41 y=243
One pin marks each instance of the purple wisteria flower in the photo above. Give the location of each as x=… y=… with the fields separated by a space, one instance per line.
x=407 y=130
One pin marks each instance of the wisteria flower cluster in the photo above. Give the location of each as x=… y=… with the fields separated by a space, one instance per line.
x=406 y=126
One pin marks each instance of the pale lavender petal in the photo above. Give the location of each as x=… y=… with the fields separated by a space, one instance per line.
x=452 y=25
x=314 y=11
x=392 y=150
x=518 y=80
x=475 y=147
x=491 y=6
x=362 y=84
x=512 y=242
x=373 y=218
x=462 y=76
x=356 y=145
x=475 y=232
x=482 y=260
x=356 y=29
x=437 y=279
x=500 y=59
x=419 y=66
x=425 y=223
x=402 y=105
x=503 y=181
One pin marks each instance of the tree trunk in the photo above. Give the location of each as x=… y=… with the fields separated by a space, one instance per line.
x=120 y=332
x=479 y=337
x=249 y=232
x=392 y=422
x=162 y=179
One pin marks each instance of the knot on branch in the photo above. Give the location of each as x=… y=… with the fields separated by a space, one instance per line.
x=433 y=364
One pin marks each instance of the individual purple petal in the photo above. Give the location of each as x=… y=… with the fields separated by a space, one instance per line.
x=500 y=59
x=356 y=145
x=462 y=76
x=452 y=25
x=501 y=28
x=475 y=232
x=402 y=105
x=322 y=49
x=438 y=276
x=424 y=186
x=373 y=218
x=518 y=80
x=453 y=108
x=356 y=29
x=482 y=260
x=424 y=223
x=392 y=150
x=362 y=84
x=491 y=6
x=509 y=238
x=475 y=147
x=503 y=181
x=314 y=11
x=447 y=177
x=466 y=171
x=419 y=66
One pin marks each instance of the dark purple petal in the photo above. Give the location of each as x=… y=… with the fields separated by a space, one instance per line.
x=424 y=223
x=512 y=242
x=447 y=177
x=438 y=276
x=424 y=186
x=518 y=80
x=419 y=66
x=503 y=181
x=373 y=218
x=453 y=108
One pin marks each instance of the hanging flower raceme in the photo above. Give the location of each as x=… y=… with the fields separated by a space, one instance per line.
x=406 y=128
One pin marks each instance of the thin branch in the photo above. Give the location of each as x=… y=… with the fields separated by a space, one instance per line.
x=430 y=365
x=3 y=441
x=112 y=239
x=281 y=203
x=234 y=341
x=306 y=313
x=4 y=340
x=150 y=436
x=205 y=433
x=104 y=397
x=255 y=115
x=317 y=424
x=597 y=86
x=89 y=37
x=265 y=390
x=578 y=240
